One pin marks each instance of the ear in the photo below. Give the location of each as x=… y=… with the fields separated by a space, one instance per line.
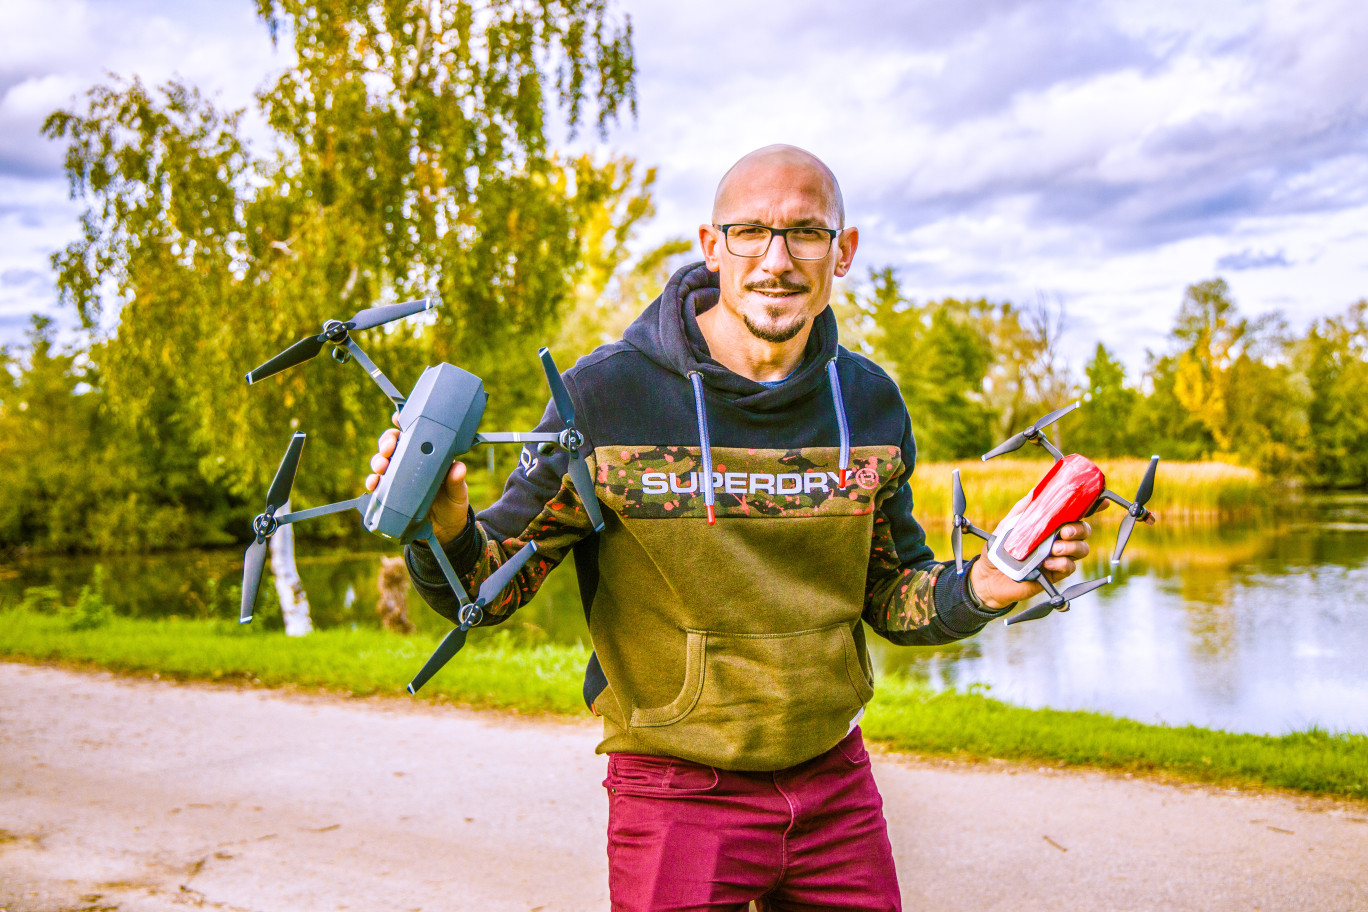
x=710 y=239
x=849 y=240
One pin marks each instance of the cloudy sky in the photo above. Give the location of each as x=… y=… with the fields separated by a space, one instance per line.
x=1101 y=155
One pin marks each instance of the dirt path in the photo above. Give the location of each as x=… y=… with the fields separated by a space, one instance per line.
x=137 y=795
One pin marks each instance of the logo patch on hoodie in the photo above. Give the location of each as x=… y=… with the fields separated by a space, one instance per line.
x=666 y=482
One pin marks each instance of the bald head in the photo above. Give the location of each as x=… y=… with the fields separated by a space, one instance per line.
x=778 y=167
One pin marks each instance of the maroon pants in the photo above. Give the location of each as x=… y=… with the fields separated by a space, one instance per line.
x=683 y=836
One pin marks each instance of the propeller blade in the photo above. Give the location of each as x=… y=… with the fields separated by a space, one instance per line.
x=957 y=545
x=1074 y=592
x=375 y=316
x=298 y=353
x=957 y=493
x=284 y=477
x=1015 y=442
x=1123 y=536
x=559 y=393
x=450 y=645
x=1055 y=415
x=1031 y=614
x=584 y=487
x=253 y=562
x=500 y=578
x=1142 y=494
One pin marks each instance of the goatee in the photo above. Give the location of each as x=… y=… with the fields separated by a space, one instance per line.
x=775 y=335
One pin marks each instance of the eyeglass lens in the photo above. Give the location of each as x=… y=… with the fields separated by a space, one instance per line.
x=754 y=240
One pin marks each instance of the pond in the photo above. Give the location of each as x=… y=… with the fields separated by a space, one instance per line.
x=1243 y=627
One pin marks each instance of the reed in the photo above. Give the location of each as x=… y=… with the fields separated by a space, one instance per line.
x=1183 y=491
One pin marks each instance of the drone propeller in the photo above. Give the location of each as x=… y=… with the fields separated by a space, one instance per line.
x=1137 y=509
x=957 y=534
x=254 y=560
x=1060 y=602
x=336 y=332
x=1017 y=441
x=471 y=615
x=572 y=440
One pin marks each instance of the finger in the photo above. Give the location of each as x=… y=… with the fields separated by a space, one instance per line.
x=379 y=463
x=1072 y=549
x=1056 y=568
x=1075 y=531
x=371 y=482
x=457 y=473
x=387 y=443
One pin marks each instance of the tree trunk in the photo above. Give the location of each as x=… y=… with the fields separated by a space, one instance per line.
x=294 y=603
x=393 y=603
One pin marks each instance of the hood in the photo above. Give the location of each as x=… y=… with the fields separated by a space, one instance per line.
x=667 y=332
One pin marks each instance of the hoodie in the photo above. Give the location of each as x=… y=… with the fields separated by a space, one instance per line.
x=748 y=531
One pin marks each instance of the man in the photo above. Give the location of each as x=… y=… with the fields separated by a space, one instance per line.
x=755 y=475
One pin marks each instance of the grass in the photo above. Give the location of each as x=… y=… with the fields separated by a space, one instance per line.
x=497 y=671
x=1183 y=491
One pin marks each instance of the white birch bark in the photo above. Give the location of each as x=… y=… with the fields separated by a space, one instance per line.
x=294 y=603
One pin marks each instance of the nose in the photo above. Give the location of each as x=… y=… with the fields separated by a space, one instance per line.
x=776 y=260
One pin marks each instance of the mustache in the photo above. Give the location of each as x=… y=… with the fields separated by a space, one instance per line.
x=777 y=284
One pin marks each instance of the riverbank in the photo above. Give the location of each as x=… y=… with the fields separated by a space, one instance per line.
x=495 y=671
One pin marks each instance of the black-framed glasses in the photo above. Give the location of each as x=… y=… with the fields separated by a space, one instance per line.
x=804 y=242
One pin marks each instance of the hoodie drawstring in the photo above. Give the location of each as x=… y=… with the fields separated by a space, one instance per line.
x=706 y=445
x=840 y=420
x=697 y=380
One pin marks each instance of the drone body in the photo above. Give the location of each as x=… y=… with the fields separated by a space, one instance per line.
x=439 y=421
x=1073 y=488
x=428 y=443
x=1067 y=493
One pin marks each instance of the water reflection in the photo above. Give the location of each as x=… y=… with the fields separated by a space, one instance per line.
x=1258 y=628
x=1255 y=628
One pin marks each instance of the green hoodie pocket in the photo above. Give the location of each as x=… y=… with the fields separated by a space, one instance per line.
x=759 y=701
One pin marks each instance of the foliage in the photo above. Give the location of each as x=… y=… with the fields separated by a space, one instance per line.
x=1334 y=360
x=410 y=154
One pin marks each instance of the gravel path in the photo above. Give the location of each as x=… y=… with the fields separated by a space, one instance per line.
x=130 y=794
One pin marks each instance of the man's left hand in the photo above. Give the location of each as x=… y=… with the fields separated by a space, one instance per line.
x=997 y=590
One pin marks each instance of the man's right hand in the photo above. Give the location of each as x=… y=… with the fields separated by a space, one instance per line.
x=452 y=504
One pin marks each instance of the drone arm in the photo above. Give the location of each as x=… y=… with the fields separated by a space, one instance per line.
x=358 y=503
x=376 y=374
x=448 y=571
x=517 y=437
x=1049 y=447
x=975 y=530
x=1108 y=494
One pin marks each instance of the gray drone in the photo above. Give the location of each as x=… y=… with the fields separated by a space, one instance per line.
x=438 y=422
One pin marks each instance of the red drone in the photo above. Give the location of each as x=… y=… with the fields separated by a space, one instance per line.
x=1073 y=488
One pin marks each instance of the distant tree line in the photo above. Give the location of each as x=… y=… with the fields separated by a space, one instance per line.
x=1228 y=386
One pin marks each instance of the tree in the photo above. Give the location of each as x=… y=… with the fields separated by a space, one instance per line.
x=1108 y=427
x=1231 y=375
x=939 y=356
x=410 y=155
x=1334 y=360
x=1027 y=377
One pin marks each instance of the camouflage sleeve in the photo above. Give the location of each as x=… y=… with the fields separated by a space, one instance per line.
x=912 y=599
x=538 y=504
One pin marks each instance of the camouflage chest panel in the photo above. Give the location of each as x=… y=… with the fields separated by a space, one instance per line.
x=664 y=482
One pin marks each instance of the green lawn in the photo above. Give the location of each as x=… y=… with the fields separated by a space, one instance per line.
x=496 y=671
